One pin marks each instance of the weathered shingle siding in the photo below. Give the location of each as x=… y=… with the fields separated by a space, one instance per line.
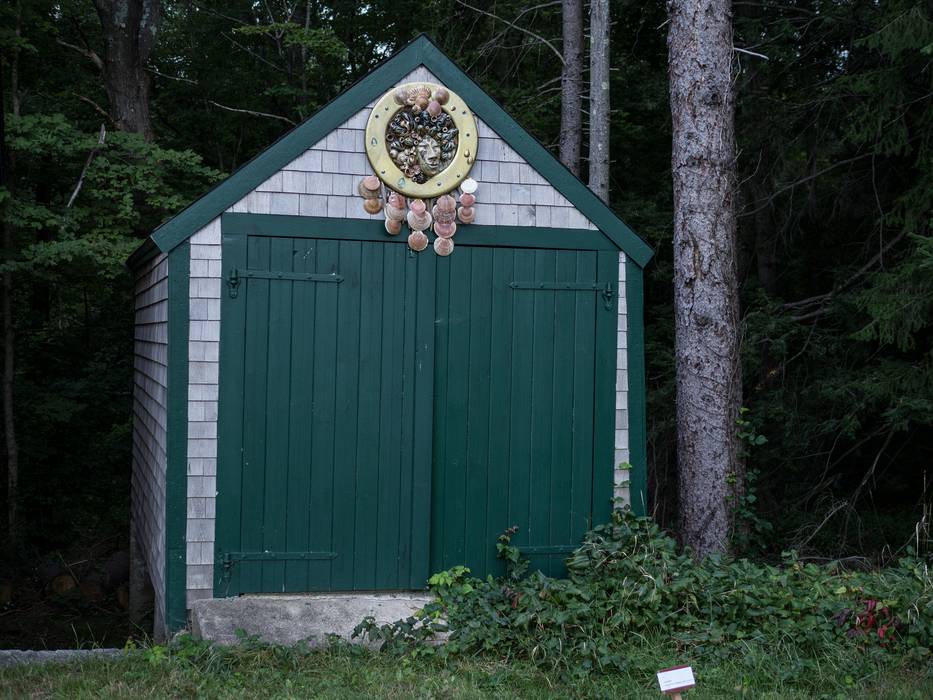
x=203 y=368
x=149 y=422
x=322 y=182
x=621 y=452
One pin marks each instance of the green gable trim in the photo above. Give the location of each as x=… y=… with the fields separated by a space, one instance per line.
x=637 y=419
x=287 y=148
x=143 y=254
x=176 y=471
x=418 y=52
x=537 y=156
x=369 y=230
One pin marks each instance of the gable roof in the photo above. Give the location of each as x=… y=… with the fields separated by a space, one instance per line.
x=420 y=51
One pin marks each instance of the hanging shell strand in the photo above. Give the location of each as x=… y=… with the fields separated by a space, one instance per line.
x=442 y=217
x=370 y=189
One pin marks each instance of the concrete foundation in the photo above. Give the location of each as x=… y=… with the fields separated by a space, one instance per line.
x=289 y=619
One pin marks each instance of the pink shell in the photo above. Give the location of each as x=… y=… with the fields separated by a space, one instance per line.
x=445 y=230
x=444 y=217
x=467 y=200
x=441 y=95
x=393 y=227
x=419 y=222
x=446 y=203
x=443 y=246
x=371 y=182
x=397 y=200
x=434 y=108
x=372 y=206
x=466 y=215
x=418 y=206
x=417 y=241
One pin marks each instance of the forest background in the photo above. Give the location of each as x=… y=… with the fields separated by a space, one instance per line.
x=835 y=140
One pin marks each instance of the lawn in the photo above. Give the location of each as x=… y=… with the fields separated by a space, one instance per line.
x=196 y=670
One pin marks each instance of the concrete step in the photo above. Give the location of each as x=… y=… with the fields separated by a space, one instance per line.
x=289 y=619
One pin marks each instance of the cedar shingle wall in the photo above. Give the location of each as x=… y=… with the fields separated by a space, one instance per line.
x=149 y=422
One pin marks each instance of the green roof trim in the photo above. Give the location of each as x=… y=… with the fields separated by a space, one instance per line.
x=418 y=52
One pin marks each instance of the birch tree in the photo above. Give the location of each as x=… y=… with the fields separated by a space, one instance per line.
x=705 y=286
x=599 y=99
x=571 y=85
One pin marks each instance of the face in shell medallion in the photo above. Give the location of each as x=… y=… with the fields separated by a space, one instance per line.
x=421 y=140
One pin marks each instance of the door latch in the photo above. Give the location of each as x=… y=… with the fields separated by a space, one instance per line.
x=608 y=293
x=233 y=283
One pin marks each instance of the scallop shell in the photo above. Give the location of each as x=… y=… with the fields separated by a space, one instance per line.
x=397 y=200
x=445 y=230
x=365 y=192
x=444 y=217
x=434 y=108
x=393 y=227
x=467 y=215
x=394 y=214
x=469 y=185
x=419 y=222
x=446 y=203
x=418 y=206
x=443 y=246
x=372 y=206
x=417 y=241
x=467 y=200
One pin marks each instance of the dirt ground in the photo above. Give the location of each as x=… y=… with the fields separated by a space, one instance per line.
x=70 y=599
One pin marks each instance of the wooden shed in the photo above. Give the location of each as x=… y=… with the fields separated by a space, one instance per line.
x=320 y=406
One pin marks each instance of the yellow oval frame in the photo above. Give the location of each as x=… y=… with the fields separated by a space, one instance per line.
x=446 y=180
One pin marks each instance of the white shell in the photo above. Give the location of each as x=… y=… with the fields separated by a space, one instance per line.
x=469 y=185
x=419 y=223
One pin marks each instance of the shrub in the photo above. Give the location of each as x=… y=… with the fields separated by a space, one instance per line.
x=629 y=580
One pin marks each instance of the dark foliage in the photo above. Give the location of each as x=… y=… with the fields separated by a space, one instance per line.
x=836 y=190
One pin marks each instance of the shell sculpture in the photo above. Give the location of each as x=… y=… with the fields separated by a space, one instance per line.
x=419 y=219
x=445 y=217
x=442 y=217
x=370 y=189
x=467 y=213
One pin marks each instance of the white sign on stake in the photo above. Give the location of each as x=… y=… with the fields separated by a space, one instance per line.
x=673 y=680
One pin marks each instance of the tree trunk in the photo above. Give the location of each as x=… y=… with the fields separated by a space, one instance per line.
x=130 y=28
x=599 y=98
x=571 y=86
x=6 y=308
x=705 y=286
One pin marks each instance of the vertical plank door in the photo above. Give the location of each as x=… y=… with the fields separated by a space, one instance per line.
x=326 y=375
x=524 y=403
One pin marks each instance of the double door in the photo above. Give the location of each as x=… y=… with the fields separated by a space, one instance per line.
x=385 y=415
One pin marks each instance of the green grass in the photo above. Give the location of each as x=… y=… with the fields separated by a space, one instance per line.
x=195 y=670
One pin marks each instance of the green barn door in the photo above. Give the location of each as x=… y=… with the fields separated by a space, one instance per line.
x=524 y=402
x=323 y=479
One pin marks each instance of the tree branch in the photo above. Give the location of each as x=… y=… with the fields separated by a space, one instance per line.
x=540 y=38
x=100 y=110
x=801 y=181
x=251 y=112
x=87 y=53
x=90 y=157
x=823 y=299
